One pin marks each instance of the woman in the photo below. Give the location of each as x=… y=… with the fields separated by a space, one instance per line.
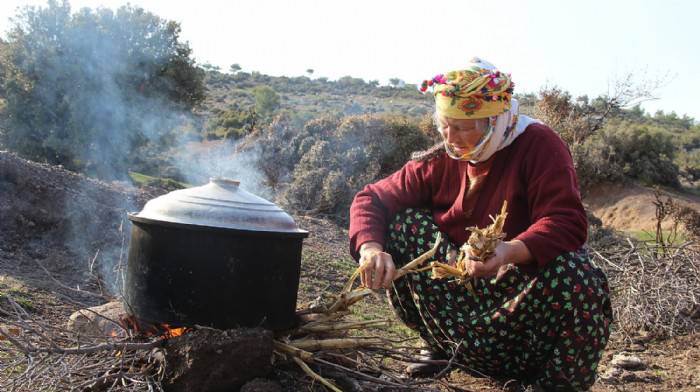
x=540 y=310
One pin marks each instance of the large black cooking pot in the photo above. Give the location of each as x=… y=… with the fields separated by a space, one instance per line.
x=213 y=255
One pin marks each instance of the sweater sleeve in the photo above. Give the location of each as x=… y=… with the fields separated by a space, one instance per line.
x=558 y=218
x=374 y=205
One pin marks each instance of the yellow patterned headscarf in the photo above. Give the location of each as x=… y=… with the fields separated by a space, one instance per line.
x=478 y=91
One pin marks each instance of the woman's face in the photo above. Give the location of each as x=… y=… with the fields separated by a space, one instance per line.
x=462 y=135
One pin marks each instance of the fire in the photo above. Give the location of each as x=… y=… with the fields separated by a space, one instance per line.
x=143 y=328
x=172 y=332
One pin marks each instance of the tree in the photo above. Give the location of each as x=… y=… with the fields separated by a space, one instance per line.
x=310 y=72
x=266 y=100
x=396 y=82
x=234 y=68
x=211 y=67
x=3 y=72
x=87 y=89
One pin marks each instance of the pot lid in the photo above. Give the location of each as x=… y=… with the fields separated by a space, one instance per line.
x=220 y=203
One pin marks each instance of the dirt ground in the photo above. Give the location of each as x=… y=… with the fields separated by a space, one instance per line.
x=53 y=219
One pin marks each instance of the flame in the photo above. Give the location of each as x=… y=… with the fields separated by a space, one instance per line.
x=146 y=329
x=172 y=332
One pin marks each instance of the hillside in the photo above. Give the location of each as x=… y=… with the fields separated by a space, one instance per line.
x=315 y=97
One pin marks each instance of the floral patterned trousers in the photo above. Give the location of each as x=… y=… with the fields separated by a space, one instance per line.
x=543 y=326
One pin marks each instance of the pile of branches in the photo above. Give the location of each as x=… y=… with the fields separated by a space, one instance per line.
x=36 y=355
x=655 y=284
x=321 y=339
x=40 y=355
x=655 y=287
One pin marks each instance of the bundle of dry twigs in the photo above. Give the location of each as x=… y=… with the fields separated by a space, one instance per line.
x=312 y=336
x=36 y=355
x=480 y=246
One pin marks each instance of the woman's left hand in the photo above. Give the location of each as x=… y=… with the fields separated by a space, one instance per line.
x=490 y=266
x=506 y=252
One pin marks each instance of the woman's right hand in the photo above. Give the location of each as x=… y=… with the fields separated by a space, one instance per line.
x=378 y=267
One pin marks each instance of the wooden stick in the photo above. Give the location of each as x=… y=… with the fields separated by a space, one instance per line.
x=315 y=376
x=340 y=326
x=293 y=351
x=81 y=350
x=345 y=300
x=348 y=298
x=334 y=344
x=360 y=374
x=408 y=268
x=65 y=286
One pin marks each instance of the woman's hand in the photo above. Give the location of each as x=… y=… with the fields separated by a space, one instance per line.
x=505 y=254
x=378 y=266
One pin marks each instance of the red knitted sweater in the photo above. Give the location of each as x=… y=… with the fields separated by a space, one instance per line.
x=535 y=174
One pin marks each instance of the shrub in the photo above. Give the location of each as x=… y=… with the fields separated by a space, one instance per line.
x=595 y=163
x=643 y=152
x=318 y=169
x=690 y=219
x=230 y=124
x=689 y=164
x=266 y=100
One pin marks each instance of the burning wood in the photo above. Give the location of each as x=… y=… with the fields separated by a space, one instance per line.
x=111 y=319
x=146 y=329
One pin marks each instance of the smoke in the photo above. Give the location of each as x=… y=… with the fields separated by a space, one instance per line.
x=106 y=87
x=223 y=158
x=97 y=230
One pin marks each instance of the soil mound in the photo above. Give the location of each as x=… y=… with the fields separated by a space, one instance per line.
x=60 y=218
x=630 y=207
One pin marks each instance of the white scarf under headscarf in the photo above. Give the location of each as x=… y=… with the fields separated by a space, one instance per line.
x=500 y=133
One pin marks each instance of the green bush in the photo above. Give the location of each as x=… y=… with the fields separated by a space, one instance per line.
x=318 y=169
x=266 y=100
x=230 y=124
x=644 y=152
x=595 y=163
x=689 y=164
x=627 y=151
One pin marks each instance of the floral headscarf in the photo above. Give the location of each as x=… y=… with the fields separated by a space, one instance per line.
x=479 y=91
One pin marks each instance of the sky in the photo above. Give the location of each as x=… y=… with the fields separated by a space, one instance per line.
x=583 y=47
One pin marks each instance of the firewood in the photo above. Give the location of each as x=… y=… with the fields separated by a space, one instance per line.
x=334 y=344
x=480 y=246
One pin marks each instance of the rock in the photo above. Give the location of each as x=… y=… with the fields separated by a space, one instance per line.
x=643 y=337
x=627 y=362
x=215 y=360
x=612 y=374
x=261 y=385
x=98 y=320
x=643 y=377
